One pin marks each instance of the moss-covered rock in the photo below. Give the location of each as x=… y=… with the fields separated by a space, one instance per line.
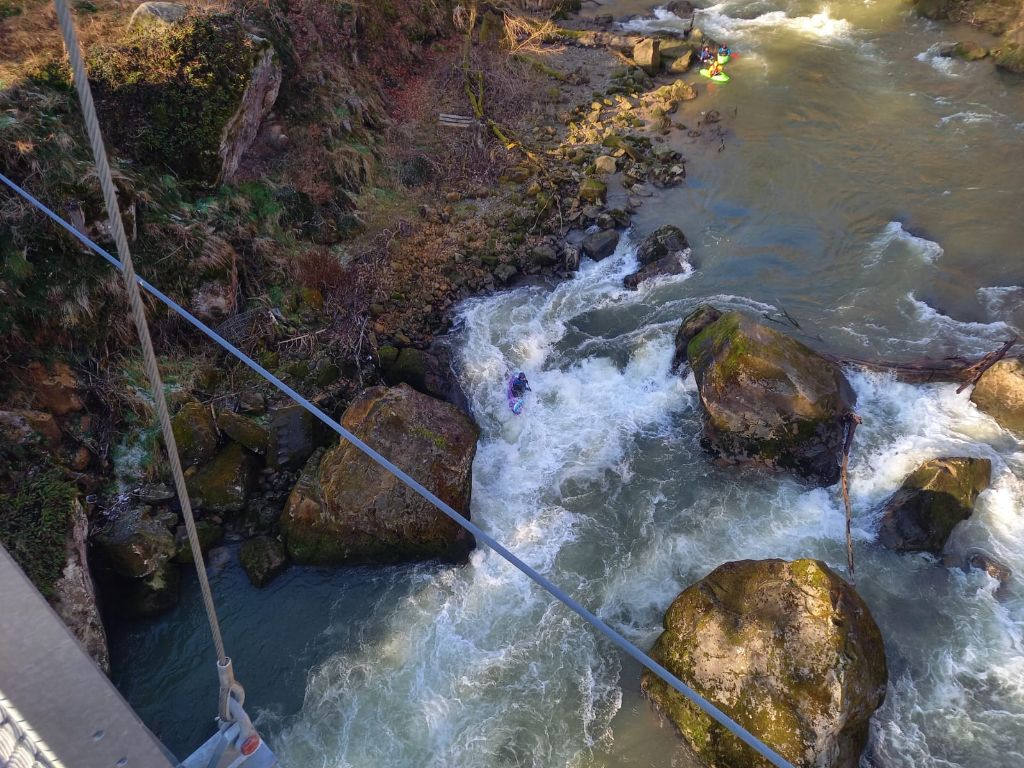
x=347 y=509
x=208 y=533
x=767 y=398
x=940 y=493
x=244 y=431
x=692 y=325
x=223 y=484
x=195 y=433
x=593 y=190
x=968 y=50
x=136 y=550
x=1010 y=57
x=787 y=649
x=29 y=427
x=1000 y=393
x=262 y=558
x=664 y=252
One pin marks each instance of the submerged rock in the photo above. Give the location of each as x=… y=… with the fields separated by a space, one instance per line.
x=347 y=509
x=262 y=558
x=787 y=649
x=208 y=533
x=663 y=252
x=936 y=496
x=968 y=50
x=1000 y=393
x=767 y=398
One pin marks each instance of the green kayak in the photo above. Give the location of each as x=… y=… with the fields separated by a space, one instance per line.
x=721 y=77
x=723 y=59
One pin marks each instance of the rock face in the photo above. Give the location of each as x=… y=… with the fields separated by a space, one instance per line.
x=258 y=99
x=600 y=245
x=787 y=649
x=767 y=398
x=137 y=550
x=30 y=427
x=1000 y=393
x=939 y=494
x=429 y=372
x=663 y=252
x=346 y=509
x=74 y=594
x=54 y=388
x=262 y=558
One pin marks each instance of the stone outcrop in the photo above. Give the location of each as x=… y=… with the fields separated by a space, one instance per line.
x=137 y=550
x=54 y=388
x=1000 y=393
x=30 y=428
x=936 y=496
x=258 y=99
x=263 y=559
x=74 y=594
x=647 y=55
x=787 y=649
x=347 y=509
x=767 y=398
x=663 y=252
x=429 y=372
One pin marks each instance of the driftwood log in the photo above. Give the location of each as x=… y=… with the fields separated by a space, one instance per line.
x=924 y=371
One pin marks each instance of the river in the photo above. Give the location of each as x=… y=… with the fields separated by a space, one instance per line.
x=869 y=188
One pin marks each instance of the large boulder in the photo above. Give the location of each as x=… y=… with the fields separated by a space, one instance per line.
x=936 y=496
x=195 y=433
x=647 y=55
x=663 y=252
x=347 y=509
x=137 y=550
x=54 y=388
x=601 y=244
x=787 y=649
x=695 y=322
x=429 y=372
x=767 y=398
x=293 y=437
x=1000 y=393
x=223 y=484
x=243 y=431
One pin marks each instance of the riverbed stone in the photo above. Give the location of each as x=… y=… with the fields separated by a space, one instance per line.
x=663 y=252
x=292 y=437
x=1000 y=393
x=244 y=431
x=605 y=164
x=223 y=484
x=209 y=534
x=195 y=433
x=933 y=499
x=347 y=509
x=592 y=190
x=137 y=550
x=262 y=558
x=600 y=245
x=787 y=649
x=647 y=55
x=969 y=50
x=768 y=399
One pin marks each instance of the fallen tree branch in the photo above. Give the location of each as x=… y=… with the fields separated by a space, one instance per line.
x=985 y=363
x=931 y=370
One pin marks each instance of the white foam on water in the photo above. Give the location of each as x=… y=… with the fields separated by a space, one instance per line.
x=895 y=242
x=969 y=337
x=716 y=22
x=1001 y=299
x=942 y=64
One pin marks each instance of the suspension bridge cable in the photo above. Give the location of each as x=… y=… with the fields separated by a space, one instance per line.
x=557 y=592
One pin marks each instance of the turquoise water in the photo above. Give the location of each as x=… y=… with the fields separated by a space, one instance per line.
x=872 y=190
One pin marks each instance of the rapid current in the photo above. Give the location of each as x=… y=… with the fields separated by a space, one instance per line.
x=869 y=188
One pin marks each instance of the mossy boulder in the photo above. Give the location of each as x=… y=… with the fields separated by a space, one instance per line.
x=1000 y=393
x=223 y=484
x=694 y=323
x=208 y=533
x=262 y=559
x=244 y=431
x=968 y=50
x=1010 y=57
x=187 y=96
x=347 y=509
x=936 y=496
x=593 y=190
x=137 y=550
x=769 y=399
x=787 y=649
x=195 y=433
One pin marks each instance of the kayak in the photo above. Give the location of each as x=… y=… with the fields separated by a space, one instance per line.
x=723 y=59
x=721 y=77
x=515 y=404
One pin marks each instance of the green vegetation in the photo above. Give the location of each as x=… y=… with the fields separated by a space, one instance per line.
x=165 y=93
x=34 y=517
